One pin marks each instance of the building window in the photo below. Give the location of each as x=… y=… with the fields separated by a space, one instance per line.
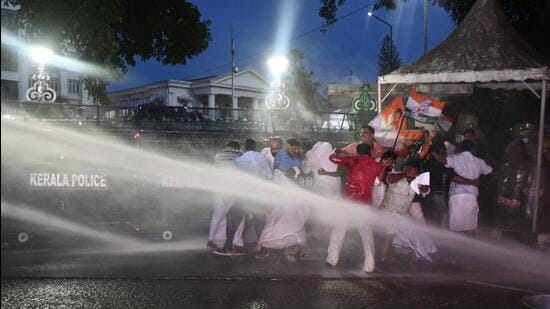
x=53 y=83
x=9 y=60
x=134 y=101
x=10 y=89
x=74 y=86
x=9 y=20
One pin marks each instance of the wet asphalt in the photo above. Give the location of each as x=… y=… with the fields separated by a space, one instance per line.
x=64 y=277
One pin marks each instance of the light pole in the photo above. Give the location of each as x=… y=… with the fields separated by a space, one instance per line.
x=425 y=26
x=385 y=22
x=277 y=99
x=40 y=90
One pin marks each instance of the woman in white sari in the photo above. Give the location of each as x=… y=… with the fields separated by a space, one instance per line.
x=326 y=180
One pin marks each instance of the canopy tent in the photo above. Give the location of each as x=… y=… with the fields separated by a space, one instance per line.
x=486 y=51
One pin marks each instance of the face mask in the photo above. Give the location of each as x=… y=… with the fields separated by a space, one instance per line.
x=525 y=140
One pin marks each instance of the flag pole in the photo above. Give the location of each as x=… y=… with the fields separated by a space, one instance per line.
x=398 y=131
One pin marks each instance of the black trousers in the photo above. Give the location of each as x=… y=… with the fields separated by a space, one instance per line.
x=259 y=221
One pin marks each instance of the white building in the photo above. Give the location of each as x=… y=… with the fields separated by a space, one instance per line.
x=17 y=70
x=208 y=92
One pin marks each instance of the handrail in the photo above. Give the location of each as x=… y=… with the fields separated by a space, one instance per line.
x=180 y=117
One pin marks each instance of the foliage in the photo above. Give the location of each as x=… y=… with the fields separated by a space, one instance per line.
x=388 y=59
x=302 y=90
x=112 y=33
x=529 y=17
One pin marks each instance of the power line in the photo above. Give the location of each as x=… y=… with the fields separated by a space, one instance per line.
x=299 y=36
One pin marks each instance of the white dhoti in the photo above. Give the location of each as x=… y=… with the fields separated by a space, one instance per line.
x=463 y=212
x=284 y=228
x=337 y=239
x=218 y=225
x=414 y=239
x=285 y=223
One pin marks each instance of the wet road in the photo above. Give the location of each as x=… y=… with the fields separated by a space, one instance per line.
x=252 y=293
x=177 y=278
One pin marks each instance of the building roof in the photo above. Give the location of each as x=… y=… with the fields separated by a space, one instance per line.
x=202 y=78
x=351 y=80
x=483 y=48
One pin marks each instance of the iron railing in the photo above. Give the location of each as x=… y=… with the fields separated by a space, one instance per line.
x=175 y=118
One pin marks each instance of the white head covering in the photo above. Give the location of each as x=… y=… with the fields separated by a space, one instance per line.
x=317 y=157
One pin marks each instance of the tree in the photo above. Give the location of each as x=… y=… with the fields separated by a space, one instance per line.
x=388 y=59
x=529 y=17
x=302 y=89
x=112 y=33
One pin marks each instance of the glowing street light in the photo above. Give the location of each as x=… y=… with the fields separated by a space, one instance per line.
x=40 y=90
x=277 y=65
x=385 y=22
x=41 y=55
x=277 y=99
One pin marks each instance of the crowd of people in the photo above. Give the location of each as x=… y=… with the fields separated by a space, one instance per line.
x=373 y=176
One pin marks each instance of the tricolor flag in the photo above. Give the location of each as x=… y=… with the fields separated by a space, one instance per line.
x=423 y=108
x=445 y=123
x=386 y=125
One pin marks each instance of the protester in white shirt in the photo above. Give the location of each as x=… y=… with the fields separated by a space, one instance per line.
x=254 y=163
x=463 y=205
x=269 y=153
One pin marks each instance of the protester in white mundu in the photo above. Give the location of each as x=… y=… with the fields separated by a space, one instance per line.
x=222 y=204
x=463 y=206
x=285 y=223
x=284 y=227
x=397 y=203
x=255 y=164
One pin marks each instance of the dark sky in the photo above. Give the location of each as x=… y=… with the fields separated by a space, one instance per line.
x=352 y=43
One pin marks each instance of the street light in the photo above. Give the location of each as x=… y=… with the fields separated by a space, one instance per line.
x=40 y=90
x=385 y=22
x=277 y=99
x=277 y=65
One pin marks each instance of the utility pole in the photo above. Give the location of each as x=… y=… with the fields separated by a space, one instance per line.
x=234 y=103
x=425 y=26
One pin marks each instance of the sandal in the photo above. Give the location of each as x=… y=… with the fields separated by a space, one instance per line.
x=261 y=255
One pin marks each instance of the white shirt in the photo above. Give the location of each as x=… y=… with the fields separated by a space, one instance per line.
x=255 y=163
x=468 y=166
x=266 y=152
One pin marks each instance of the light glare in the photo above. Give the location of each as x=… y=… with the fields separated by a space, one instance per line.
x=277 y=65
x=41 y=55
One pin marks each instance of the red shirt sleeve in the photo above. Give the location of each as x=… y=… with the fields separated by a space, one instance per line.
x=346 y=161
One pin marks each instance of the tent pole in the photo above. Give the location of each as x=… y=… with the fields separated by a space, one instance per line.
x=379 y=98
x=539 y=156
x=388 y=94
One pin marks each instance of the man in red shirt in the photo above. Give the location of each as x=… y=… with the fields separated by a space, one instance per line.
x=367 y=137
x=362 y=172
